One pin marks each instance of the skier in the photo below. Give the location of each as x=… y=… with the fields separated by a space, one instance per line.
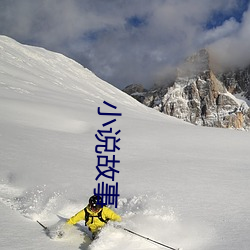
x=95 y=215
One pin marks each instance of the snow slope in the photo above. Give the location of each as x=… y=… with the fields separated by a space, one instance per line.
x=179 y=184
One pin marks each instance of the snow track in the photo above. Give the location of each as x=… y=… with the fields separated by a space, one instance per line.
x=144 y=214
x=8 y=194
x=32 y=204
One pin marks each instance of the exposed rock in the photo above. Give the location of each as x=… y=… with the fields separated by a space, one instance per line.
x=237 y=81
x=201 y=97
x=137 y=91
x=133 y=88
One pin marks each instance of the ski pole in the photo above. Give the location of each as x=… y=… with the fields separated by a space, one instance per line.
x=150 y=239
x=45 y=228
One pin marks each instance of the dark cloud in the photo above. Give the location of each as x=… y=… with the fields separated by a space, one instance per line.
x=131 y=41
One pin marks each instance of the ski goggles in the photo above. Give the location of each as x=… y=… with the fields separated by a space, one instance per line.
x=95 y=207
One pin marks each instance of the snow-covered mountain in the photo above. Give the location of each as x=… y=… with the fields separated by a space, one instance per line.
x=201 y=96
x=183 y=185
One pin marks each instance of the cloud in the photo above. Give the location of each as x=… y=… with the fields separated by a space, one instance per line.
x=233 y=49
x=125 y=42
x=228 y=28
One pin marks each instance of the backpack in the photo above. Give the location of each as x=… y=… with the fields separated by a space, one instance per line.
x=87 y=217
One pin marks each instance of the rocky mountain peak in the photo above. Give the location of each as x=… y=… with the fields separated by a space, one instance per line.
x=200 y=96
x=196 y=64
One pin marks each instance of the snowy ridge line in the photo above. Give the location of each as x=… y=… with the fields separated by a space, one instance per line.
x=40 y=73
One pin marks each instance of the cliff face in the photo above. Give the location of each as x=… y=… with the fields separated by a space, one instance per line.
x=201 y=97
x=237 y=81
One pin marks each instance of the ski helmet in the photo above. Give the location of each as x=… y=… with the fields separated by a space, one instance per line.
x=95 y=202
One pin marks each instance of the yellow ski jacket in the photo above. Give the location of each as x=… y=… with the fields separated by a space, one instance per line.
x=94 y=223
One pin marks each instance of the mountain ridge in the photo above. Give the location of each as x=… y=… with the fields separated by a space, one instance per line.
x=200 y=95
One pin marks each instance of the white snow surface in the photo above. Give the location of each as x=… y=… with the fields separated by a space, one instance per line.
x=182 y=185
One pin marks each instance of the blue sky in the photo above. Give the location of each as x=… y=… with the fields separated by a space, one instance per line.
x=131 y=41
x=218 y=17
